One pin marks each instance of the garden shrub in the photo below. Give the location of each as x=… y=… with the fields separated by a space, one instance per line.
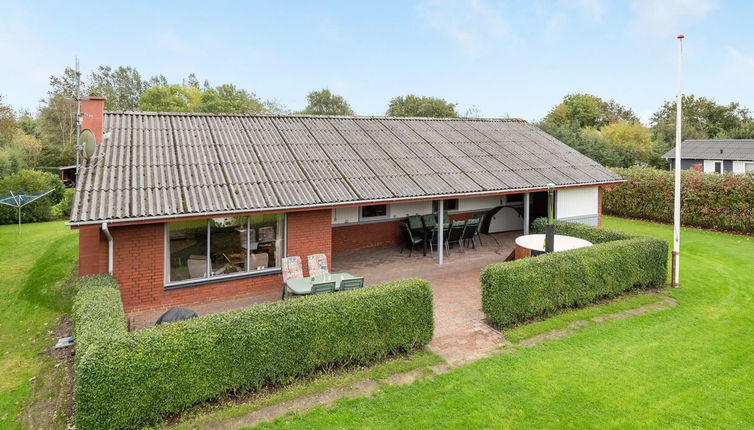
x=64 y=208
x=97 y=312
x=135 y=378
x=515 y=291
x=708 y=200
x=31 y=181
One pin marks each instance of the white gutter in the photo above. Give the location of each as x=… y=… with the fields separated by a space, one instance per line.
x=338 y=204
x=109 y=248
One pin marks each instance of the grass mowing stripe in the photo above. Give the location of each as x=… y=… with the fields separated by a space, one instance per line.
x=686 y=367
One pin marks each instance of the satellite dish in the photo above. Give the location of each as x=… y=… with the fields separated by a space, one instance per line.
x=88 y=144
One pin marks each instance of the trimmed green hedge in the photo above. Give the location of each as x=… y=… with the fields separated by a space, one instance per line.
x=97 y=312
x=139 y=377
x=709 y=200
x=515 y=291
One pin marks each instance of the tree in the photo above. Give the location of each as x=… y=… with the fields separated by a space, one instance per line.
x=416 y=106
x=122 y=87
x=703 y=118
x=585 y=110
x=57 y=130
x=589 y=142
x=174 y=98
x=631 y=137
x=7 y=122
x=323 y=102
x=229 y=99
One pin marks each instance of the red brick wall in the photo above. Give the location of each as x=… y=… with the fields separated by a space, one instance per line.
x=139 y=263
x=92 y=251
x=360 y=236
x=310 y=232
x=599 y=206
x=370 y=235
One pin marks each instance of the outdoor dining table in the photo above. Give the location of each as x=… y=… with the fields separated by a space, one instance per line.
x=303 y=286
x=535 y=244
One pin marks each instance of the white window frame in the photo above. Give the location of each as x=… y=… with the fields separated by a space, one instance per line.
x=714 y=166
x=168 y=284
x=374 y=218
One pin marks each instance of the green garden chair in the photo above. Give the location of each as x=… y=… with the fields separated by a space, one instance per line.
x=351 y=284
x=323 y=287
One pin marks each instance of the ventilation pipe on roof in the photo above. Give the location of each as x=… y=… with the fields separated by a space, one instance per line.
x=109 y=248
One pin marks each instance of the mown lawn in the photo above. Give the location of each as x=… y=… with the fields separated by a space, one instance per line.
x=691 y=366
x=34 y=267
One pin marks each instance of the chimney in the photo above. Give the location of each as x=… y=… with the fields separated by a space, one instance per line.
x=93 y=113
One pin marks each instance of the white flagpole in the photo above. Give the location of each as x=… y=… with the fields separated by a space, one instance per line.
x=677 y=192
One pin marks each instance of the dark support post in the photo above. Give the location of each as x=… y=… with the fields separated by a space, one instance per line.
x=550 y=231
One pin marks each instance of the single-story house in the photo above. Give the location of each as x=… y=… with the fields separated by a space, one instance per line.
x=715 y=155
x=185 y=208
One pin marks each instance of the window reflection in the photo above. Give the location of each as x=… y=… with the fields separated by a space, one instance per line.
x=188 y=250
x=224 y=246
x=228 y=245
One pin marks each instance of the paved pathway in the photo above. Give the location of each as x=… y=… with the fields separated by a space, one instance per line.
x=461 y=334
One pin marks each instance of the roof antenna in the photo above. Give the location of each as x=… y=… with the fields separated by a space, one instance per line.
x=78 y=118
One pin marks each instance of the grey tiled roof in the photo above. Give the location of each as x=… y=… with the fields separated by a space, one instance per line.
x=715 y=149
x=172 y=165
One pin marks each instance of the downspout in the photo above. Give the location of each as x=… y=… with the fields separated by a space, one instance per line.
x=109 y=248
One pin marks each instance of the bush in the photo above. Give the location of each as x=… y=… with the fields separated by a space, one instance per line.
x=97 y=312
x=531 y=287
x=64 y=208
x=31 y=181
x=133 y=378
x=583 y=231
x=708 y=200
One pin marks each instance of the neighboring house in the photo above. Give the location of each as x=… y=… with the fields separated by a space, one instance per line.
x=190 y=208
x=715 y=155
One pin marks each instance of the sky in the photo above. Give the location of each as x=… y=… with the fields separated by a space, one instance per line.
x=506 y=58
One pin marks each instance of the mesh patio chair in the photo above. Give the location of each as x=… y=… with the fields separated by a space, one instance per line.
x=351 y=284
x=470 y=232
x=292 y=269
x=455 y=235
x=429 y=221
x=317 y=264
x=415 y=222
x=323 y=288
x=478 y=234
x=433 y=236
x=411 y=240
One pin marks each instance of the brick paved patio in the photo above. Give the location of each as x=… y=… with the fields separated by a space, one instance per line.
x=460 y=332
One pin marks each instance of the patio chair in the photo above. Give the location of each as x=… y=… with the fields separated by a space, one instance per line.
x=292 y=269
x=323 y=288
x=351 y=284
x=433 y=236
x=411 y=240
x=472 y=227
x=415 y=222
x=429 y=221
x=317 y=264
x=478 y=235
x=455 y=235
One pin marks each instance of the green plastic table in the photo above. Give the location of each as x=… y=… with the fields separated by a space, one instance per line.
x=303 y=286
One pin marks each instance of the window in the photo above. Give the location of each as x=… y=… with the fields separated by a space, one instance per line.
x=373 y=212
x=514 y=198
x=227 y=246
x=748 y=167
x=448 y=205
x=718 y=167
